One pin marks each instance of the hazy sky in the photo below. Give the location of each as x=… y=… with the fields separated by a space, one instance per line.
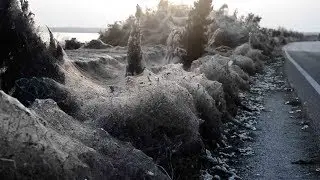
x=292 y=14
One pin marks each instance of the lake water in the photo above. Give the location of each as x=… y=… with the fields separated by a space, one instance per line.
x=82 y=37
x=62 y=36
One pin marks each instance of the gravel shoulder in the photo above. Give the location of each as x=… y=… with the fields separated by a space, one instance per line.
x=283 y=146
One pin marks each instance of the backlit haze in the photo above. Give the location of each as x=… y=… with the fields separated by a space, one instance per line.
x=292 y=14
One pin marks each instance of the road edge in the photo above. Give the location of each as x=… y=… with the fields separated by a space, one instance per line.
x=311 y=81
x=306 y=88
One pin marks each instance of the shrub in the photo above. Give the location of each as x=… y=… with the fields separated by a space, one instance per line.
x=72 y=44
x=39 y=139
x=223 y=37
x=175 y=53
x=117 y=34
x=96 y=44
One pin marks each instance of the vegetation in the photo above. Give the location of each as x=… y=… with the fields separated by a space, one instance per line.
x=196 y=39
x=96 y=44
x=72 y=44
x=117 y=34
x=252 y=22
x=172 y=115
x=23 y=54
x=155 y=25
x=134 y=47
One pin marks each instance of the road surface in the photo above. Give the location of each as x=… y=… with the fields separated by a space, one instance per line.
x=283 y=143
x=279 y=143
x=303 y=71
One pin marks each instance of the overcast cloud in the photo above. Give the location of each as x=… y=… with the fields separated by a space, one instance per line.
x=292 y=14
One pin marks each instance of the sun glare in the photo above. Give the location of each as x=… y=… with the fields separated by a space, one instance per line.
x=181 y=1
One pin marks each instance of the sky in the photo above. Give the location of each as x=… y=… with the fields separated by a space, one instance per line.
x=292 y=14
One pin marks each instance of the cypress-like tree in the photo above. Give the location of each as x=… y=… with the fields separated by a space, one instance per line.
x=195 y=36
x=134 y=47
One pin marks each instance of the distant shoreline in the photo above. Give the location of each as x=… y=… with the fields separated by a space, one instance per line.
x=75 y=30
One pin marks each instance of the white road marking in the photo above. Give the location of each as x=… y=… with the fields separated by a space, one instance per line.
x=313 y=83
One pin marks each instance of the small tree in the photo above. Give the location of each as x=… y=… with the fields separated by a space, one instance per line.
x=134 y=47
x=163 y=5
x=253 y=22
x=195 y=37
x=117 y=34
x=113 y=35
x=223 y=10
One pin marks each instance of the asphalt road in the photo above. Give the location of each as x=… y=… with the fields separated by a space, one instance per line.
x=303 y=71
x=307 y=55
x=279 y=142
x=284 y=145
x=309 y=61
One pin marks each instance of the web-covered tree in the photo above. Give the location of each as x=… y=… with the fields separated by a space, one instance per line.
x=195 y=38
x=163 y=5
x=117 y=34
x=252 y=22
x=113 y=35
x=134 y=53
x=23 y=54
